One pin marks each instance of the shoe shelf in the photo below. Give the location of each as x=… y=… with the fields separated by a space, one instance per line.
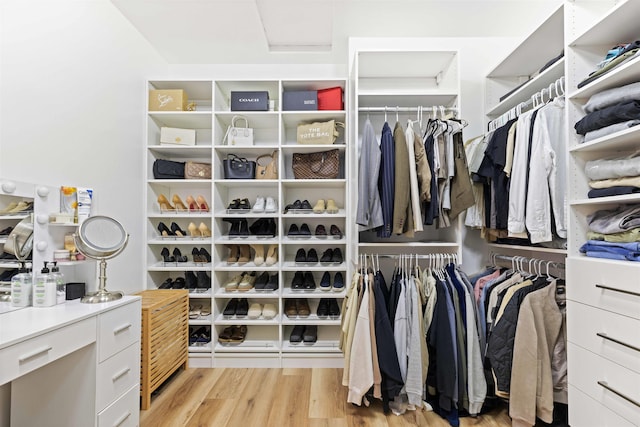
x=314 y=240
x=312 y=319
x=204 y=348
x=287 y=292
x=250 y=266
x=320 y=346
x=19 y=215
x=294 y=266
x=173 y=241
x=272 y=130
x=244 y=320
x=201 y=293
x=202 y=321
x=248 y=346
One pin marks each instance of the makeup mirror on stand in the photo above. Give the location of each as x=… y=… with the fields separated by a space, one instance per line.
x=101 y=238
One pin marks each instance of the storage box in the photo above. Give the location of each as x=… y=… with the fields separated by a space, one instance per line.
x=177 y=136
x=75 y=290
x=250 y=101
x=167 y=100
x=330 y=99
x=299 y=100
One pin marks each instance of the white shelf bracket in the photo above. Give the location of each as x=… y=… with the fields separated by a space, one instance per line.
x=438 y=78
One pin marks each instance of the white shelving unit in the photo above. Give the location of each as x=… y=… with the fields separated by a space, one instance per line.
x=266 y=342
x=519 y=73
x=603 y=295
x=406 y=78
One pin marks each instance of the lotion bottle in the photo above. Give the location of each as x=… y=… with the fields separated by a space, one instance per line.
x=44 y=289
x=22 y=287
x=61 y=291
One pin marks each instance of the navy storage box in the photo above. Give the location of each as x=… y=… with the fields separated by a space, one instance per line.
x=250 y=101
x=299 y=100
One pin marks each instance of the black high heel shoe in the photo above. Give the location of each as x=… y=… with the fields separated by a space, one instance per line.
x=197 y=258
x=164 y=230
x=175 y=228
x=178 y=255
x=204 y=255
x=165 y=255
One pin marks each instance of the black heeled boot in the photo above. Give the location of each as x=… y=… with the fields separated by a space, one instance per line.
x=256 y=227
x=204 y=281
x=234 y=230
x=191 y=279
x=244 y=229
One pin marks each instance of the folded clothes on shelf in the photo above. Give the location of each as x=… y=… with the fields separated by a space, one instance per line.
x=609 y=221
x=615 y=57
x=612 y=250
x=617 y=113
x=628 y=166
x=609 y=130
x=618 y=190
x=628 y=236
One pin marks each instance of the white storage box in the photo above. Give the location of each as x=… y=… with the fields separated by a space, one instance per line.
x=177 y=136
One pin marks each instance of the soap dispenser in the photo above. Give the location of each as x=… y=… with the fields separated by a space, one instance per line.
x=44 y=289
x=61 y=288
x=22 y=287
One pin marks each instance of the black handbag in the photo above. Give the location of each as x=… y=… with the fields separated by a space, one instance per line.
x=238 y=167
x=168 y=169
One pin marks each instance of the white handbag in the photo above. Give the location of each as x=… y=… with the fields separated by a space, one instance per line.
x=239 y=136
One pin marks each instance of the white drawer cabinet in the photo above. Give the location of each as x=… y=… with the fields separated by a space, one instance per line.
x=24 y=357
x=118 y=329
x=586 y=412
x=124 y=412
x=610 y=384
x=609 y=285
x=116 y=375
x=612 y=336
x=69 y=376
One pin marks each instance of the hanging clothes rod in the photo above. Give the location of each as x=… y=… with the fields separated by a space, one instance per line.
x=405 y=109
x=527 y=260
x=536 y=99
x=414 y=256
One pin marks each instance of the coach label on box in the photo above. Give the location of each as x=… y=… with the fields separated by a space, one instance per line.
x=250 y=101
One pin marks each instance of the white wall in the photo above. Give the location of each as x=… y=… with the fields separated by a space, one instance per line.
x=72 y=102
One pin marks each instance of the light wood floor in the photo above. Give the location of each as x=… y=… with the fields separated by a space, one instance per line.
x=277 y=397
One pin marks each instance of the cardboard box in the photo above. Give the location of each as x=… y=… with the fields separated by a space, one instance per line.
x=250 y=101
x=300 y=100
x=167 y=100
x=177 y=136
x=330 y=99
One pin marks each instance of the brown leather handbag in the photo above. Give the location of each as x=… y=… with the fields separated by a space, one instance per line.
x=320 y=165
x=270 y=169
x=196 y=170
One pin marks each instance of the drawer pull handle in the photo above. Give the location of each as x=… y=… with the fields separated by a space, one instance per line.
x=122 y=419
x=120 y=374
x=606 y=337
x=635 y=294
x=35 y=353
x=604 y=384
x=122 y=329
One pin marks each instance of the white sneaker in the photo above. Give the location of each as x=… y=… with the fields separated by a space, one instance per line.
x=259 y=205
x=271 y=206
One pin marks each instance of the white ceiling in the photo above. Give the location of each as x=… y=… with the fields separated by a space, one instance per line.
x=314 y=31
